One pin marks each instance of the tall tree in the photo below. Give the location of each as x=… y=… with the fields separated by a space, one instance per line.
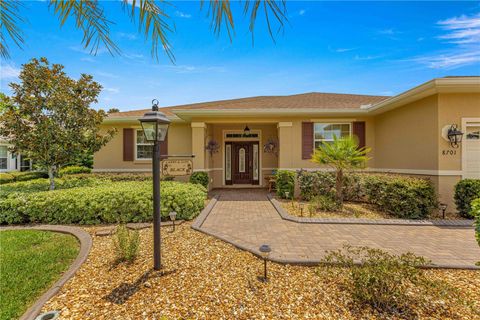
x=153 y=20
x=48 y=118
x=342 y=154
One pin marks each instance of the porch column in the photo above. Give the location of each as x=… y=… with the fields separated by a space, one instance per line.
x=198 y=145
x=285 y=139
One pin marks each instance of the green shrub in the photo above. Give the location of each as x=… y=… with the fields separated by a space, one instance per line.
x=387 y=282
x=16 y=176
x=43 y=185
x=465 y=191
x=118 y=202
x=6 y=178
x=73 y=170
x=285 y=182
x=324 y=203
x=200 y=177
x=401 y=196
x=126 y=243
x=475 y=212
x=111 y=176
x=313 y=183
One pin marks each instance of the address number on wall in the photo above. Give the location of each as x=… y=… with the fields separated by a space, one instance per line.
x=449 y=152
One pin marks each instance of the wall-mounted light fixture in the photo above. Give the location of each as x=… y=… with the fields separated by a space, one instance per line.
x=246 y=131
x=454 y=136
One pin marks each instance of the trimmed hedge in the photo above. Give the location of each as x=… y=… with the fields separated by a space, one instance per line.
x=465 y=192
x=285 y=182
x=200 y=177
x=400 y=196
x=475 y=212
x=119 y=202
x=16 y=176
x=73 y=170
x=43 y=185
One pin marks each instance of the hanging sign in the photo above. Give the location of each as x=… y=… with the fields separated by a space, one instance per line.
x=177 y=167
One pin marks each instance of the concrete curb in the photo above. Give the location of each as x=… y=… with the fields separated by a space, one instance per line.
x=275 y=257
x=85 y=245
x=392 y=222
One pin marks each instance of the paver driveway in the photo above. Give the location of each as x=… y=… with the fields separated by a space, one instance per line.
x=247 y=219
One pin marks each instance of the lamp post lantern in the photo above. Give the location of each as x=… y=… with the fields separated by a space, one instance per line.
x=155 y=127
x=173 y=216
x=443 y=207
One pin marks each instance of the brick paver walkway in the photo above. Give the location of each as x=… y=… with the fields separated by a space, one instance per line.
x=247 y=219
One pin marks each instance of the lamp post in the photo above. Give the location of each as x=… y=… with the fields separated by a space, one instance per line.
x=173 y=216
x=155 y=127
x=265 y=252
x=443 y=207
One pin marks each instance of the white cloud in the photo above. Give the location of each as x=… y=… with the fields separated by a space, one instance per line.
x=463 y=34
x=112 y=90
x=449 y=60
x=387 y=32
x=128 y=36
x=369 y=57
x=106 y=74
x=87 y=59
x=461 y=30
x=183 y=14
x=193 y=69
x=340 y=50
x=133 y=56
x=302 y=12
x=9 y=71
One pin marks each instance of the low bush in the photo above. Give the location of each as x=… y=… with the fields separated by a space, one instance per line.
x=73 y=170
x=401 y=196
x=126 y=243
x=16 y=176
x=324 y=203
x=475 y=212
x=43 y=185
x=200 y=177
x=118 y=202
x=313 y=183
x=465 y=192
x=285 y=182
x=388 y=283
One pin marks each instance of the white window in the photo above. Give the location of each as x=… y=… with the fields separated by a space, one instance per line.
x=324 y=132
x=3 y=158
x=144 y=148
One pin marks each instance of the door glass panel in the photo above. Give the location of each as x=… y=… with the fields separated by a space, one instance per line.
x=255 y=162
x=241 y=160
x=228 y=162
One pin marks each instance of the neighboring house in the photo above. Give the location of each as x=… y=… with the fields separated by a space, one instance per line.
x=407 y=134
x=10 y=161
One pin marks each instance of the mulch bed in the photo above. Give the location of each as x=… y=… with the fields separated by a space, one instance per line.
x=205 y=278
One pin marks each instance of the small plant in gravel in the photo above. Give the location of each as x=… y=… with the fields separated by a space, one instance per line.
x=324 y=203
x=393 y=284
x=126 y=243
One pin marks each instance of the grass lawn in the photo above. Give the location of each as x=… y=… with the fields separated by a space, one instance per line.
x=30 y=262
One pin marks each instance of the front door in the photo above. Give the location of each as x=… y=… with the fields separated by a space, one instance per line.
x=243 y=162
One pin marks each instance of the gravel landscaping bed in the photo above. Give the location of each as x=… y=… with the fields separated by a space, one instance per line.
x=205 y=278
x=350 y=210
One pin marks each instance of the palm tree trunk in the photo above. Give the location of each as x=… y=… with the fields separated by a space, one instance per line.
x=339 y=186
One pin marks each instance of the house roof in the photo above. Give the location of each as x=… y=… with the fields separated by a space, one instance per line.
x=314 y=102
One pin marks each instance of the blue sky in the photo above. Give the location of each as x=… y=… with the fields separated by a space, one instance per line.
x=379 y=48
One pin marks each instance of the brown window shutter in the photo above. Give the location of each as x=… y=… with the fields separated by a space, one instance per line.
x=307 y=140
x=359 y=132
x=164 y=148
x=128 y=144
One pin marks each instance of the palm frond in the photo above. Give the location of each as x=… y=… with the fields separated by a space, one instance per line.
x=153 y=22
x=275 y=7
x=221 y=14
x=90 y=18
x=9 y=20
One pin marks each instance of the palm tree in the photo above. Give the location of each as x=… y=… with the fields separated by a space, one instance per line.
x=343 y=154
x=153 y=20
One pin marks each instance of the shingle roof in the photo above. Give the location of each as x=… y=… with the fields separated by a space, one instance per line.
x=313 y=100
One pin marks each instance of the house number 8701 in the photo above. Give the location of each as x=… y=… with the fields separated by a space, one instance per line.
x=449 y=152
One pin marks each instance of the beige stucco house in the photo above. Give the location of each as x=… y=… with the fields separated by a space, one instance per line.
x=407 y=134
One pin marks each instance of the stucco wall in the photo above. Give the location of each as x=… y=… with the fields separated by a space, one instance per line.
x=110 y=157
x=406 y=137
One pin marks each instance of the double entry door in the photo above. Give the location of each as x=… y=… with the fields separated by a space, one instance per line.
x=242 y=162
